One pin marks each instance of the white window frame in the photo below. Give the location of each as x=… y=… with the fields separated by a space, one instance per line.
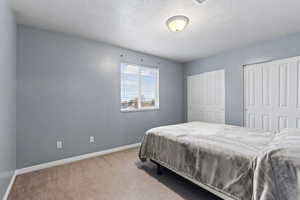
x=140 y=108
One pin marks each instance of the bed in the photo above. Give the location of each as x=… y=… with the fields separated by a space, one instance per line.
x=277 y=173
x=234 y=163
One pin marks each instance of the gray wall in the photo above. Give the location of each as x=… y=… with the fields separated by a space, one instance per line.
x=232 y=62
x=68 y=89
x=7 y=96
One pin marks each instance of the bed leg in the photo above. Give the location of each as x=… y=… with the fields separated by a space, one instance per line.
x=158 y=169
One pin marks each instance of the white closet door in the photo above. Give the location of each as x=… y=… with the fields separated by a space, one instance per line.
x=272 y=94
x=206 y=97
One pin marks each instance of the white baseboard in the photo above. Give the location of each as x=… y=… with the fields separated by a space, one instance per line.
x=11 y=183
x=74 y=159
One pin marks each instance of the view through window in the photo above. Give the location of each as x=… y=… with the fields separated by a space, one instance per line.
x=139 y=87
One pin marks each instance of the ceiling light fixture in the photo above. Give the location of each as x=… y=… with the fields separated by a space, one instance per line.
x=200 y=1
x=177 y=23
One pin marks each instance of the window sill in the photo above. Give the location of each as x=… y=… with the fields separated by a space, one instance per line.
x=139 y=110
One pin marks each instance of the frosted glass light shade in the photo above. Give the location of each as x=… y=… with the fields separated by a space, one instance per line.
x=177 y=23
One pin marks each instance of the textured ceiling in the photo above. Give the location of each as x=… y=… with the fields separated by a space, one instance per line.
x=215 y=25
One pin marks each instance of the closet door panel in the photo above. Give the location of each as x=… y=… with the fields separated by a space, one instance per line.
x=272 y=94
x=206 y=97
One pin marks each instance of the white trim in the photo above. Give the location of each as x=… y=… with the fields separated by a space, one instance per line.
x=11 y=183
x=74 y=159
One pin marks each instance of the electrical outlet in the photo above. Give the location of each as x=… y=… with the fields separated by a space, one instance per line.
x=92 y=139
x=59 y=144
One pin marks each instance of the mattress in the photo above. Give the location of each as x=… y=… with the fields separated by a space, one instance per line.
x=220 y=157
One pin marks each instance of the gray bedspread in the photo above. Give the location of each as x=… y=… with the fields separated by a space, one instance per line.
x=277 y=173
x=221 y=157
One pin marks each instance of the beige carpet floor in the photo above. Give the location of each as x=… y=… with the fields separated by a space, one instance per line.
x=117 y=176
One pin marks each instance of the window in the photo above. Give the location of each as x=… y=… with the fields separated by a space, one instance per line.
x=139 y=87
